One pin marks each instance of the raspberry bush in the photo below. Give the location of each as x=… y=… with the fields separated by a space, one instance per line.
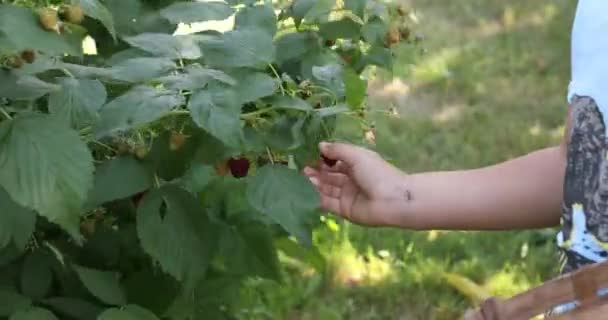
x=148 y=180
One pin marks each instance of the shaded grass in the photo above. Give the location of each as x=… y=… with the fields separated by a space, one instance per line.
x=489 y=86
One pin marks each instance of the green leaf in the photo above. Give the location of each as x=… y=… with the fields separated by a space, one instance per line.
x=132 y=17
x=104 y=285
x=299 y=8
x=249 y=250
x=286 y=197
x=20 y=30
x=153 y=290
x=260 y=16
x=286 y=133
x=16 y=222
x=74 y=308
x=320 y=10
x=379 y=56
x=330 y=76
x=23 y=87
x=130 y=312
x=295 y=45
x=33 y=314
x=142 y=69
x=37 y=274
x=175 y=231
x=356 y=6
x=189 y=12
x=119 y=178
x=196 y=77
x=170 y=164
x=166 y=45
x=12 y=302
x=355 y=88
x=218 y=111
x=291 y=103
x=345 y=28
x=197 y=178
x=96 y=10
x=78 y=101
x=56 y=184
x=252 y=86
x=239 y=48
x=374 y=31
x=140 y=105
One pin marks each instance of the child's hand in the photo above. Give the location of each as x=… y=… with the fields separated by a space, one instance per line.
x=361 y=186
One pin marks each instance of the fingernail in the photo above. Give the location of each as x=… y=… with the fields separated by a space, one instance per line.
x=314 y=181
x=323 y=146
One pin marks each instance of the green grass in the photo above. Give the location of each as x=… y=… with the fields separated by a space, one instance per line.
x=489 y=86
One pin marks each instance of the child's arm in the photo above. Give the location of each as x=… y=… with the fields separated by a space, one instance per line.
x=522 y=193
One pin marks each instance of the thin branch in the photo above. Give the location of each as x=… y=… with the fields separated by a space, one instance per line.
x=5 y=113
x=278 y=78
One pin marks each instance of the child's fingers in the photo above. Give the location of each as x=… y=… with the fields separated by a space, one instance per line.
x=330 y=204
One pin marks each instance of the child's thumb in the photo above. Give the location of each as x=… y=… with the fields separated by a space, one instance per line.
x=340 y=152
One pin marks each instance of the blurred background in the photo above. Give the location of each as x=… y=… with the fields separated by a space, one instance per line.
x=486 y=83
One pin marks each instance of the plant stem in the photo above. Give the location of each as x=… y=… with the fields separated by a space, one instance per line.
x=5 y=114
x=270 y=155
x=256 y=113
x=278 y=78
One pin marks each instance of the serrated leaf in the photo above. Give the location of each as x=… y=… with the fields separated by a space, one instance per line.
x=119 y=178
x=356 y=6
x=291 y=103
x=104 y=285
x=249 y=249
x=239 y=48
x=252 y=86
x=23 y=87
x=142 y=69
x=355 y=88
x=260 y=16
x=286 y=133
x=345 y=28
x=151 y=289
x=57 y=182
x=20 y=30
x=138 y=106
x=330 y=76
x=166 y=45
x=189 y=12
x=286 y=197
x=379 y=56
x=81 y=71
x=33 y=314
x=16 y=222
x=78 y=101
x=73 y=307
x=175 y=231
x=37 y=274
x=132 y=17
x=197 y=178
x=130 y=312
x=218 y=111
x=332 y=111
x=167 y=163
x=12 y=302
x=295 y=45
x=374 y=31
x=96 y=10
x=195 y=77
x=320 y=10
